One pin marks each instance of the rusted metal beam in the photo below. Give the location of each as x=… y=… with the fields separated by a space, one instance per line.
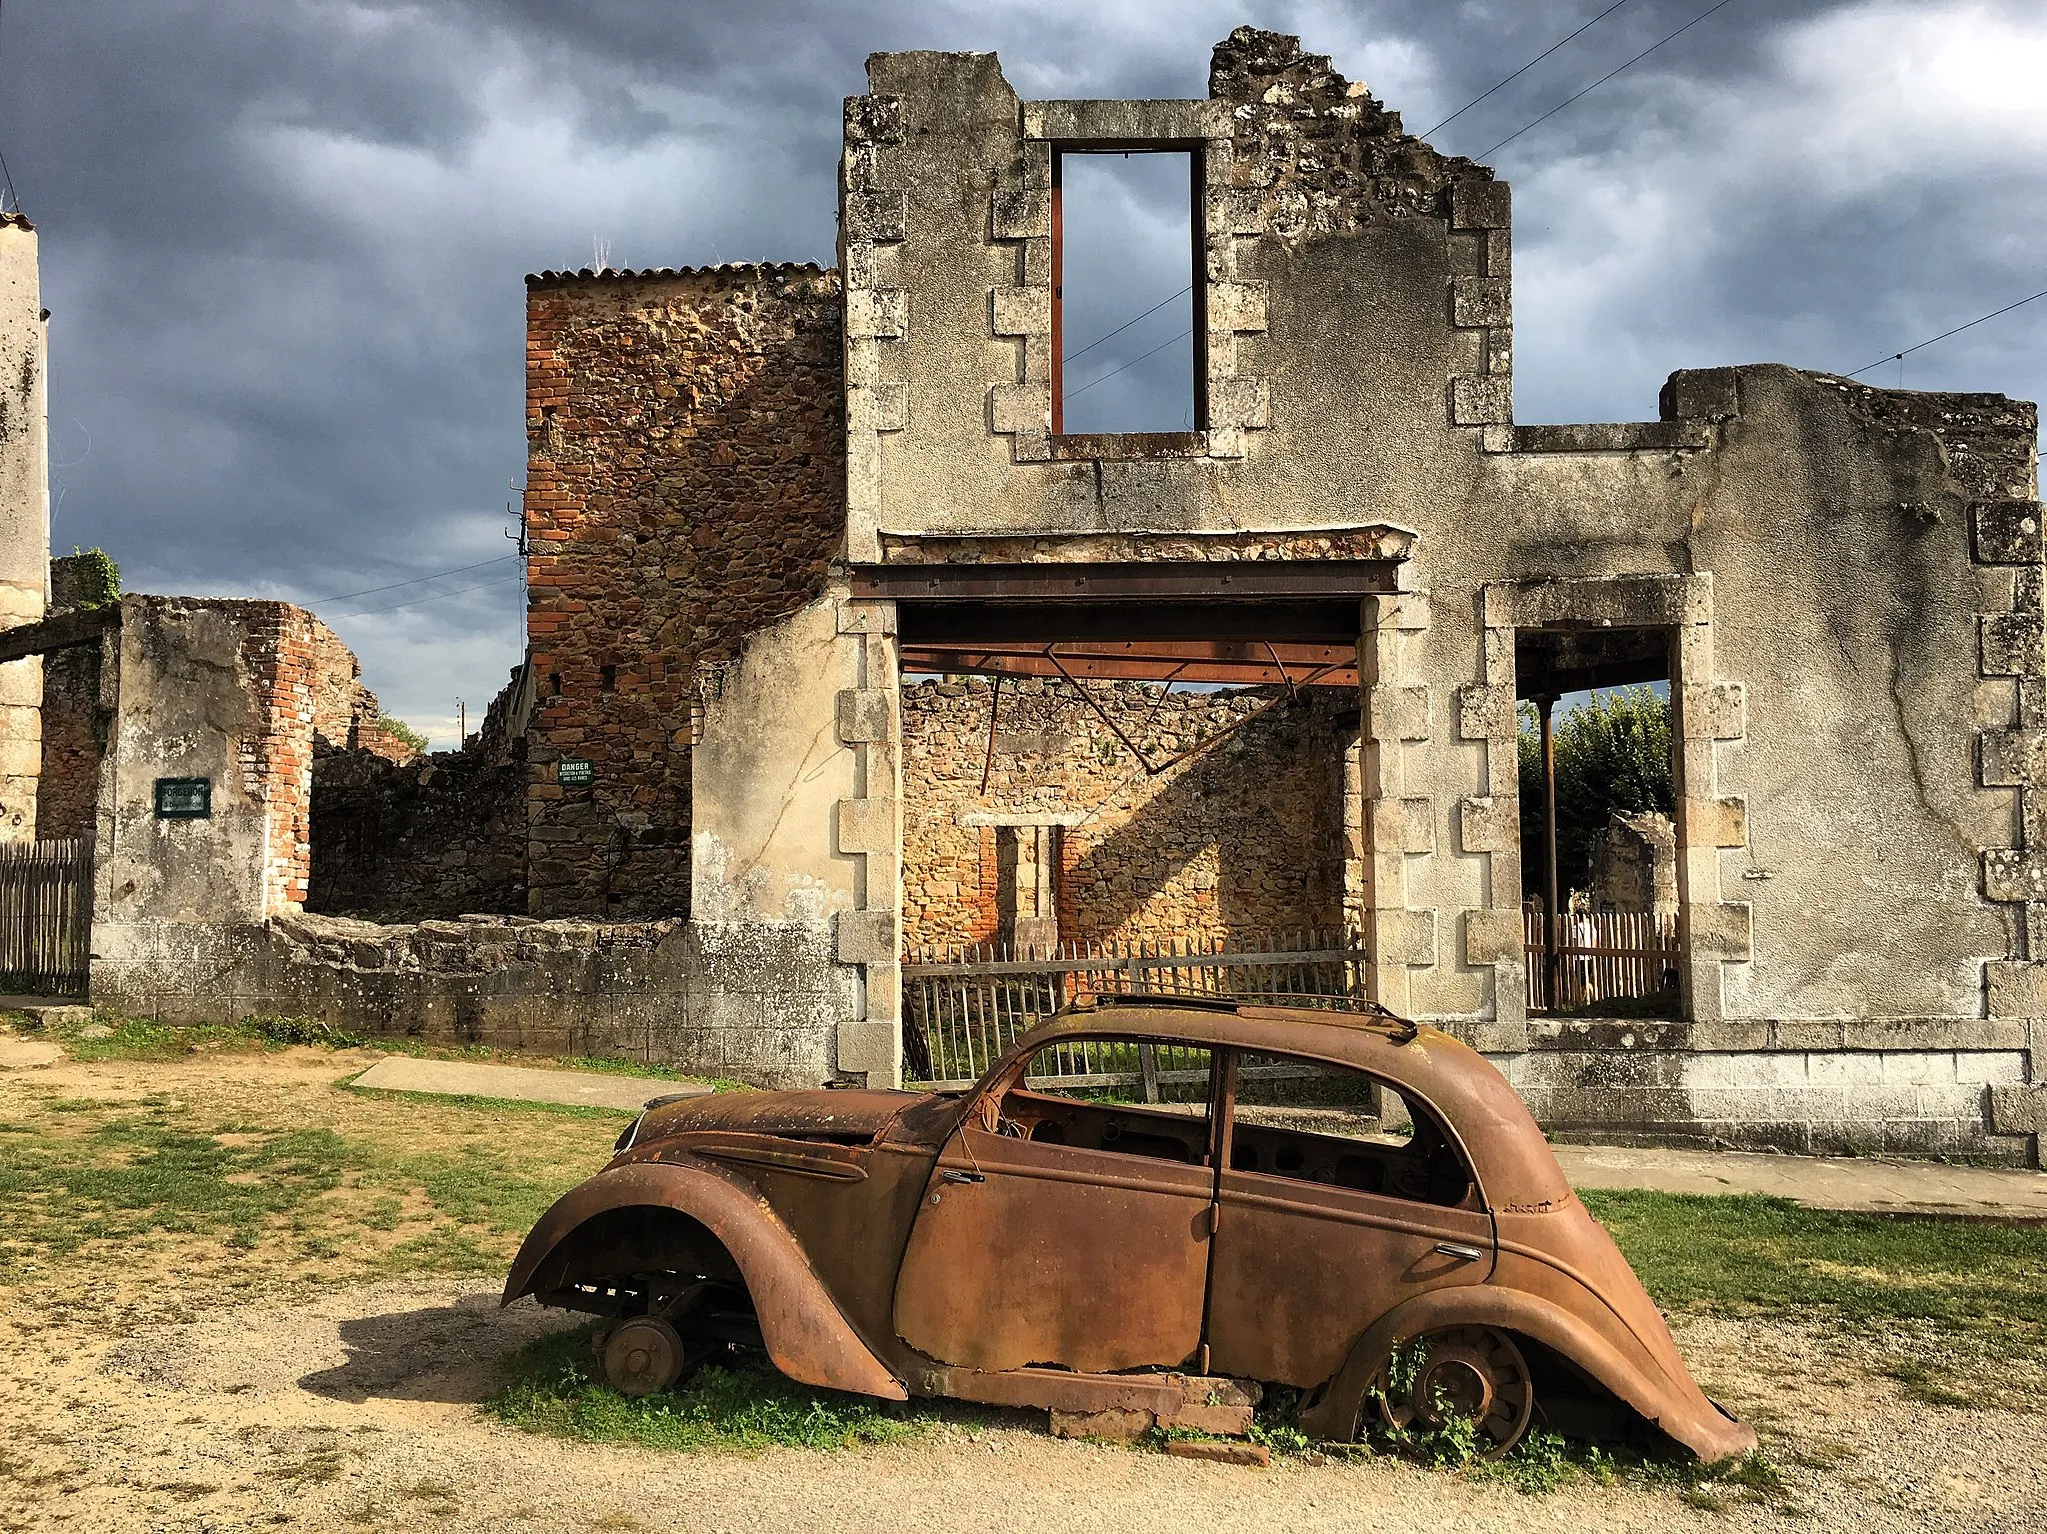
x=982 y=624
x=1555 y=920
x=1166 y=660
x=64 y=632
x=1205 y=580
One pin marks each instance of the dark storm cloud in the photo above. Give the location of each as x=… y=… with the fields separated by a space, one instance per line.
x=283 y=241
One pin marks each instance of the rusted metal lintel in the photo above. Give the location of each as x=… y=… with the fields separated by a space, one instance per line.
x=1307 y=621
x=1139 y=580
x=1163 y=660
x=64 y=632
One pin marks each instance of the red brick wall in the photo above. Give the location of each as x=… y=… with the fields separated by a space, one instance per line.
x=282 y=655
x=685 y=487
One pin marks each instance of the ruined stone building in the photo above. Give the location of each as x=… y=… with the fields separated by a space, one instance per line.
x=759 y=494
x=836 y=633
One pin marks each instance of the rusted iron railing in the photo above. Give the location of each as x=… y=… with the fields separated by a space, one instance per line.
x=964 y=1005
x=45 y=916
x=1602 y=956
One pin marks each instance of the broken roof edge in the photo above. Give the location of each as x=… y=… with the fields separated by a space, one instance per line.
x=1074 y=534
x=757 y=270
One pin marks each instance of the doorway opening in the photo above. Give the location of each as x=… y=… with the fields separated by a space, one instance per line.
x=1150 y=788
x=1598 y=792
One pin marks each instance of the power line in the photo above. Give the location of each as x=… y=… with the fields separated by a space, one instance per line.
x=1517 y=74
x=437 y=596
x=350 y=596
x=1503 y=143
x=1154 y=309
x=8 y=176
x=1993 y=314
x=1183 y=335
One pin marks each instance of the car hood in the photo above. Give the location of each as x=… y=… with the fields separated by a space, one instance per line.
x=845 y=1118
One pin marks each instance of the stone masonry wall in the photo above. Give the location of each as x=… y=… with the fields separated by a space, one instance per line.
x=1246 y=837
x=685 y=488
x=570 y=987
x=411 y=837
x=74 y=728
x=74 y=740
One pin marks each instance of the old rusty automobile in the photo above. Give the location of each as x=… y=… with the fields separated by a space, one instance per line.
x=1350 y=1206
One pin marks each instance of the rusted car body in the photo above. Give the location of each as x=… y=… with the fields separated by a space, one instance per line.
x=1012 y=1245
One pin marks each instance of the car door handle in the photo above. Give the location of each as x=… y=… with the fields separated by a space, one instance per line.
x=951 y=1176
x=1461 y=1253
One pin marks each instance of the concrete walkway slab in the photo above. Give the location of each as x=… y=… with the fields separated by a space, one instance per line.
x=521 y=1084
x=1860 y=1184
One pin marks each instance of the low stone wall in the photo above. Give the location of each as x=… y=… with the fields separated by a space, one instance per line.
x=1617 y=1083
x=756 y=1004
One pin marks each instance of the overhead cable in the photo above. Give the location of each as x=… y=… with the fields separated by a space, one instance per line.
x=350 y=596
x=1993 y=314
x=1503 y=143
x=7 y=176
x=1076 y=393
x=437 y=596
x=1517 y=74
x=1154 y=309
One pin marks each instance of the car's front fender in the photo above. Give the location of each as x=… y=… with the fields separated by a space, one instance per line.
x=1685 y=1415
x=805 y=1334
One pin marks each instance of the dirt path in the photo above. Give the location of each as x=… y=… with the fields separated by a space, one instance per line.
x=357 y=1409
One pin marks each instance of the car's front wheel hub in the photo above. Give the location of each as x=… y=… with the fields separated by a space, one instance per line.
x=642 y=1356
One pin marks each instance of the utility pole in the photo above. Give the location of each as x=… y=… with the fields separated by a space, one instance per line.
x=1552 y=965
x=462 y=709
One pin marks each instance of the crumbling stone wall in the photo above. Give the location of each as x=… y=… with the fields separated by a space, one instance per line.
x=405 y=837
x=75 y=720
x=1246 y=837
x=685 y=488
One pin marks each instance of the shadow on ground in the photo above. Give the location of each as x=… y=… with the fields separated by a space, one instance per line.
x=445 y=1353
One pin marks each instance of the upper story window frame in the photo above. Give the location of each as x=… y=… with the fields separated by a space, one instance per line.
x=1170 y=444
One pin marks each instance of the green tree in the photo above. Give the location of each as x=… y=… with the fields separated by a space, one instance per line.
x=400 y=730
x=1613 y=753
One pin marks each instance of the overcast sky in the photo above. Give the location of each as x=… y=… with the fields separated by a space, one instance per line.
x=282 y=240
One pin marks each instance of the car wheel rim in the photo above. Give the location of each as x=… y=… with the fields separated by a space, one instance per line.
x=1473 y=1372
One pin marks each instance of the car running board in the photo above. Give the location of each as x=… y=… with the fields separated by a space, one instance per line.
x=1108 y=1405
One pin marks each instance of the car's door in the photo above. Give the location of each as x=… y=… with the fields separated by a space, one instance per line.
x=1067 y=1224
x=1338 y=1199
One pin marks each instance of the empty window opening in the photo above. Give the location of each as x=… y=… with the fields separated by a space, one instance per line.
x=1126 y=332
x=1599 y=849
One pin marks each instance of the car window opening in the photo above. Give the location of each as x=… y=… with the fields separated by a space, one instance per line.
x=1310 y=1122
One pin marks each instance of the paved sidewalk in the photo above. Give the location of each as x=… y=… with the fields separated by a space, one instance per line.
x=522 y=1084
x=1859 y=1183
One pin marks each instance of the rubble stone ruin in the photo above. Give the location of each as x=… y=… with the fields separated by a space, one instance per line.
x=844 y=650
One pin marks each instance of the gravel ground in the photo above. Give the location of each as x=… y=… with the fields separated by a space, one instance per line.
x=356 y=1408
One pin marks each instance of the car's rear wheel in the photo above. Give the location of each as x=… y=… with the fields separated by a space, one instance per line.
x=642 y=1356
x=1475 y=1373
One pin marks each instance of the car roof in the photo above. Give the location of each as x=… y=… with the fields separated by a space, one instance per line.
x=1512 y=1160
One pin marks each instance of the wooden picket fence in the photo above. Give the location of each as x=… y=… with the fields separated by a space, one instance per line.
x=963 y=1005
x=1603 y=956
x=45 y=916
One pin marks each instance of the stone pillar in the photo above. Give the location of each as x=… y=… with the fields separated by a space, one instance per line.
x=24 y=518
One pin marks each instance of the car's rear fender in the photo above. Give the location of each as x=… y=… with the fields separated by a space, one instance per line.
x=806 y=1336
x=1686 y=1416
